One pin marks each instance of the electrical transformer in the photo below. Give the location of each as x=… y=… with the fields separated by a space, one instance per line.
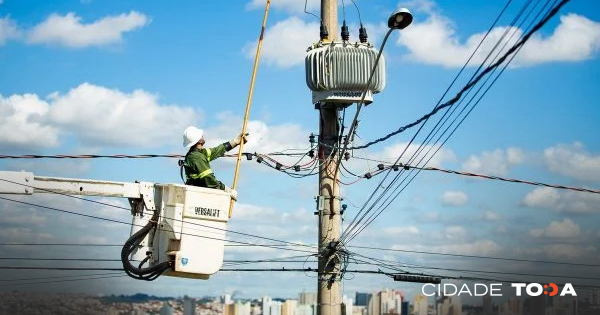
x=338 y=72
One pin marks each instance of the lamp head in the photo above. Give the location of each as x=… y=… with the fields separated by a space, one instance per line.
x=400 y=19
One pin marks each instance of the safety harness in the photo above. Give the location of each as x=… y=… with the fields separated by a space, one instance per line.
x=202 y=174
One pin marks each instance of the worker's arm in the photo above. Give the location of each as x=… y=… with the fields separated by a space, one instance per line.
x=219 y=151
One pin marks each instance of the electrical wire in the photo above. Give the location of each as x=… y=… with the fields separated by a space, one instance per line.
x=477 y=175
x=470 y=85
x=127 y=223
x=177 y=220
x=61 y=277
x=64 y=280
x=492 y=67
x=475 y=256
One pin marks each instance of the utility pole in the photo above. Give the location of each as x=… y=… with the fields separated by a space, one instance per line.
x=328 y=293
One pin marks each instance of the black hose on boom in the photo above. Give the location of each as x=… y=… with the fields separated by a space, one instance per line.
x=140 y=273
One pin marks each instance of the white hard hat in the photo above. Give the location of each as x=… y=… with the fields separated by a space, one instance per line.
x=191 y=136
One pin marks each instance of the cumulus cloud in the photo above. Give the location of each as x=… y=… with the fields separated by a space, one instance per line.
x=290 y=6
x=576 y=38
x=8 y=29
x=573 y=161
x=94 y=115
x=455 y=232
x=558 y=229
x=22 y=122
x=392 y=152
x=479 y=247
x=570 y=201
x=285 y=43
x=401 y=230
x=497 y=162
x=491 y=216
x=561 y=251
x=454 y=198
x=68 y=30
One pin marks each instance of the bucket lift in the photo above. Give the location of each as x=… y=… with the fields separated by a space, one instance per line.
x=177 y=230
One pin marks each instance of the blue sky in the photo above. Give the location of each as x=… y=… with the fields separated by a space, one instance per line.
x=127 y=77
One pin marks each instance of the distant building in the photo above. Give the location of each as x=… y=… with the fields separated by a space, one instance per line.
x=275 y=308
x=305 y=309
x=420 y=305
x=266 y=305
x=166 y=309
x=404 y=308
x=450 y=306
x=538 y=305
x=386 y=302
x=595 y=297
x=289 y=307
x=513 y=306
x=189 y=306
x=574 y=306
x=237 y=308
x=307 y=298
x=487 y=304
x=362 y=299
x=349 y=305
x=226 y=299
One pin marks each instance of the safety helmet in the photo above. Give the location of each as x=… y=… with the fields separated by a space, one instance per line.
x=191 y=136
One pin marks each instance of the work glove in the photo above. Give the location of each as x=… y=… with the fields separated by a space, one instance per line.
x=235 y=142
x=231 y=192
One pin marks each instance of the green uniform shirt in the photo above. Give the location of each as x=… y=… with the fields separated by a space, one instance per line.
x=197 y=166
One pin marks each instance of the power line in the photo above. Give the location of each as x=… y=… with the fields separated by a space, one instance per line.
x=178 y=220
x=64 y=280
x=425 y=119
x=126 y=156
x=397 y=264
x=479 y=175
x=127 y=223
x=515 y=48
x=60 y=277
x=474 y=256
x=457 y=97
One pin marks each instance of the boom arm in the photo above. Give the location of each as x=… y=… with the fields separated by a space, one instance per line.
x=26 y=183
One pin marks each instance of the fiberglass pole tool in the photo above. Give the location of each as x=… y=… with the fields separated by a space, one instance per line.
x=244 y=126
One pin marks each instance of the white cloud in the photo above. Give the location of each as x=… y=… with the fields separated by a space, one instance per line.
x=392 y=152
x=22 y=125
x=291 y=6
x=455 y=232
x=573 y=161
x=496 y=162
x=68 y=30
x=570 y=201
x=285 y=43
x=104 y=116
x=558 y=229
x=576 y=38
x=479 y=247
x=401 y=230
x=454 y=198
x=263 y=138
x=561 y=251
x=8 y=29
x=491 y=216
x=94 y=115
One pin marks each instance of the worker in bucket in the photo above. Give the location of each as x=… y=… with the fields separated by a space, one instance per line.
x=197 y=160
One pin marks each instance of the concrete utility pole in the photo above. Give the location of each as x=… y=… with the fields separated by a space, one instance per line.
x=329 y=295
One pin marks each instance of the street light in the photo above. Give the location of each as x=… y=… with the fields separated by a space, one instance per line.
x=400 y=19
